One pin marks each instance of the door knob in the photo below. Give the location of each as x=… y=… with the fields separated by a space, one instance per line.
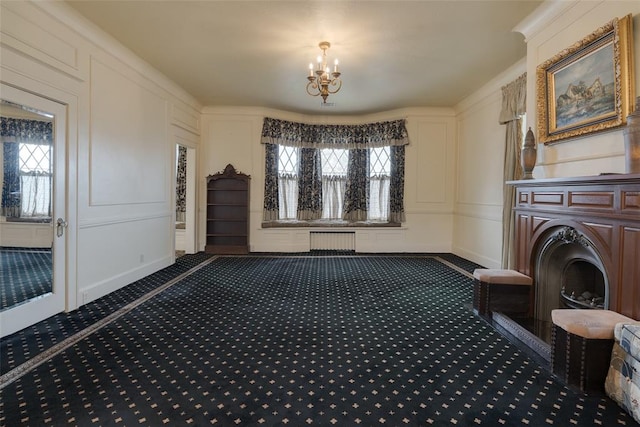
x=61 y=224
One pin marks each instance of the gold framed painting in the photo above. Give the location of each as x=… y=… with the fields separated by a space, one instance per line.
x=588 y=87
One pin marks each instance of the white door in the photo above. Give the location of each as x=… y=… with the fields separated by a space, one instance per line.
x=32 y=234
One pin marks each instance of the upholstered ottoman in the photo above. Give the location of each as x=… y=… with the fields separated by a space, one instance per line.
x=623 y=379
x=581 y=344
x=505 y=291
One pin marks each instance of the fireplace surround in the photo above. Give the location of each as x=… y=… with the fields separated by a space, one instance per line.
x=579 y=240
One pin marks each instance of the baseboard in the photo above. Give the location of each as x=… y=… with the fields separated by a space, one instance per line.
x=477 y=258
x=100 y=289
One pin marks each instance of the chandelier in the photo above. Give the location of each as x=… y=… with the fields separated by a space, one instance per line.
x=321 y=80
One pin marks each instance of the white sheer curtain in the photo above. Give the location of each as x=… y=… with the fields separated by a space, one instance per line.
x=333 y=188
x=514 y=101
x=36 y=195
x=288 y=194
x=379 y=198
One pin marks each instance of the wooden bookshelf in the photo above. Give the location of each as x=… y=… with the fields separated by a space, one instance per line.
x=228 y=212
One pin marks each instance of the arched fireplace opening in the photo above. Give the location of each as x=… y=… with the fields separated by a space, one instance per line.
x=583 y=286
x=570 y=274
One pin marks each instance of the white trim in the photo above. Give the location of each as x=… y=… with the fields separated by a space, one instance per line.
x=90 y=32
x=581 y=159
x=102 y=222
x=540 y=18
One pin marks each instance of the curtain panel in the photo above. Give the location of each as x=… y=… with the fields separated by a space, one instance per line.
x=379 y=202
x=181 y=185
x=310 y=185
x=371 y=135
x=356 y=197
x=26 y=131
x=35 y=200
x=396 y=185
x=11 y=200
x=271 y=207
x=514 y=102
x=333 y=189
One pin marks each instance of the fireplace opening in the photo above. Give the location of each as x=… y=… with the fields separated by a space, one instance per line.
x=583 y=286
x=569 y=274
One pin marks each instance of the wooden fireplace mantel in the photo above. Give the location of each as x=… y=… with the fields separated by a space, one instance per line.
x=604 y=208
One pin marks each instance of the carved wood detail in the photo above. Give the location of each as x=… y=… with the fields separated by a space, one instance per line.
x=605 y=209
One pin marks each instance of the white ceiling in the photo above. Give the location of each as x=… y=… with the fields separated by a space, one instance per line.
x=392 y=54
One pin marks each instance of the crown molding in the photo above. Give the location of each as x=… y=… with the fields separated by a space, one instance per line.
x=540 y=18
x=398 y=114
x=91 y=33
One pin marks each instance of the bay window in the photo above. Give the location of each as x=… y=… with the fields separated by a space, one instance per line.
x=334 y=172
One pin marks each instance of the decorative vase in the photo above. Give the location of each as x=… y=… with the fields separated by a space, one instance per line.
x=528 y=156
x=632 y=140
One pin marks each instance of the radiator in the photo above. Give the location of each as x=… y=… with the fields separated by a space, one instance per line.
x=333 y=240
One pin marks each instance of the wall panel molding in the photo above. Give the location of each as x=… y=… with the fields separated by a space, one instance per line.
x=107 y=221
x=128 y=128
x=30 y=38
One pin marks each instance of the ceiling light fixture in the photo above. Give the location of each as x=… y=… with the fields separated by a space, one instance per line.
x=321 y=78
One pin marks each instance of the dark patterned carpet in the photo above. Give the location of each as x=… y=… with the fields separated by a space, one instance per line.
x=300 y=341
x=28 y=343
x=25 y=273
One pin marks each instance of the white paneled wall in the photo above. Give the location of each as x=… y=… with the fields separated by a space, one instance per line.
x=122 y=119
x=232 y=135
x=26 y=235
x=477 y=230
x=557 y=26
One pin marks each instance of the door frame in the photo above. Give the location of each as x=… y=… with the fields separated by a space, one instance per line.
x=190 y=142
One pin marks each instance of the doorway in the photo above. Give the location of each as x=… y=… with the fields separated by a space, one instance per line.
x=32 y=214
x=185 y=204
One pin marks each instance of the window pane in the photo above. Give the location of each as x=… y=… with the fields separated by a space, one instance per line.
x=380 y=173
x=334 y=161
x=35 y=158
x=380 y=163
x=334 y=181
x=287 y=160
x=288 y=181
x=35 y=178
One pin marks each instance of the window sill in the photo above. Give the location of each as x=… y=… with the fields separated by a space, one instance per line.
x=34 y=220
x=328 y=224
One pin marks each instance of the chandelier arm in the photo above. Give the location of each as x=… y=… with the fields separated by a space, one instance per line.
x=312 y=85
x=336 y=82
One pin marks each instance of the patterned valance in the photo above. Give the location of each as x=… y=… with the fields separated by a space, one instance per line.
x=514 y=100
x=371 y=135
x=26 y=131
